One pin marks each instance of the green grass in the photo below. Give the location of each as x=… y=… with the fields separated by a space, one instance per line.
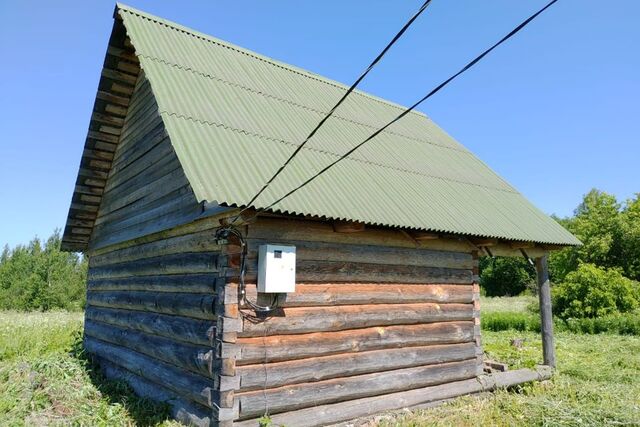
x=517 y=313
x=597 y=381
x=46 y=380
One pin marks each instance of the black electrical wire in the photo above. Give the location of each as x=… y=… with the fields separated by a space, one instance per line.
x=223 y=233
x=404 y=113
x=335 y=107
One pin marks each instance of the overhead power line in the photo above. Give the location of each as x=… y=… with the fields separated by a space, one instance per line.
x=335 y=107
x=405 y=112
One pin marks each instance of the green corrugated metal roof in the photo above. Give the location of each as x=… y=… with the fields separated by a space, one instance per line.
x=234 y=116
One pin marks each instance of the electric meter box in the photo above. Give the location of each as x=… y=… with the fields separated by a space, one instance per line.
x=276 y=269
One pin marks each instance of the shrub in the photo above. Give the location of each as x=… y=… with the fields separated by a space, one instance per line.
x=592 y=291
x=505 y=276
x=506 y=320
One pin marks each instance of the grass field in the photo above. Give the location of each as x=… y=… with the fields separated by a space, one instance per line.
x=45 y=380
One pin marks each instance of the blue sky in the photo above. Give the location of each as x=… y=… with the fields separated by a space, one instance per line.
x=555 y=111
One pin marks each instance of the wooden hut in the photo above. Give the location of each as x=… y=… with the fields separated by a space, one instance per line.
x=385 y=312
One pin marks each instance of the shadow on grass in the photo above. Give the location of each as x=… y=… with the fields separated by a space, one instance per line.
x=144 y=411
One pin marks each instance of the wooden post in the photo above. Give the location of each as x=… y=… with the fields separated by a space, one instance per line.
x=546 y=319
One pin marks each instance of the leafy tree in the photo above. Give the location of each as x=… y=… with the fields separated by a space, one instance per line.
x=593 y=291
x=39 y=276
x=504 y=276
x=631 y=238
x=597 y=222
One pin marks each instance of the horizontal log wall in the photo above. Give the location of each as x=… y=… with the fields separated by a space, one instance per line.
x=146 y=189
x=375 y=312
x=152 y=317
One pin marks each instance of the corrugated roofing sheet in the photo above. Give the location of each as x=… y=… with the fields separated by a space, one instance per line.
x=234 y=117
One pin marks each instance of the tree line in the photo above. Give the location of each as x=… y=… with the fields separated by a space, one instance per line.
x=594 y=279
x=39 y=276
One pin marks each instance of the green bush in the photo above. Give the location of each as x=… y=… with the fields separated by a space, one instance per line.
x=506 y=320
x=592 y=291
x=622 y=324
x=505 y=276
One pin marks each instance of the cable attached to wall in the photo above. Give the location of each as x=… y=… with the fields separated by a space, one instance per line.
x=262 y=312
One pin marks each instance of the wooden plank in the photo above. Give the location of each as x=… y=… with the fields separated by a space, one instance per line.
x=116 y=110
x=107 y=119
x=174 y=218
x=330 y=294
x=348 y=226
x=119 y=76
x=92 y=173
x=148 y=209
x=304 y=230
x=176 y=328
x=121 y=88
x=196 y=306
x=126 y=54
x=253 y=377
x=79 y=222
x=290 y=347
x=85 y=189
x=194 y=243
x=369 y=254
x=253 y=403
x=110 y=129
x=199 y=360
x=100 y=136
x=164 y=185
x=128 y=67
x=181 y=263
x=114 y=99
x=191 y=386
x=103 y=146
x=187 y=412
x=186 y=283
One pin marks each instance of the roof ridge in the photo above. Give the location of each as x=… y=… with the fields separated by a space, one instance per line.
x=257 y=135
x=260 y=57
x=296 y=104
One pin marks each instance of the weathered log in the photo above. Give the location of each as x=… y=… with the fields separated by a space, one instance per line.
x=369 y=254
x=197 y=242
x=290 y=347
x=329 y=294
x=198 y=306
x=180 y=329
x=279 y=374
x=207 y=223
x=348 y=410
x=337 y=271
x=183 y=263
x=199 y=360
x=298 y=396
x=285 y=229
x=191 y=386
x=189 y=413
x=301 y=320
x=181 y=283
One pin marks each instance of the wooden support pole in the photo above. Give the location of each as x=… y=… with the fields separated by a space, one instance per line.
x=546 y=319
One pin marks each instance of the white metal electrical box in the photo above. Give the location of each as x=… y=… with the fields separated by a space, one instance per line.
x=276 y=268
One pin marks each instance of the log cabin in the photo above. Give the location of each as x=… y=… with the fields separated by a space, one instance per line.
x=384 y=311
